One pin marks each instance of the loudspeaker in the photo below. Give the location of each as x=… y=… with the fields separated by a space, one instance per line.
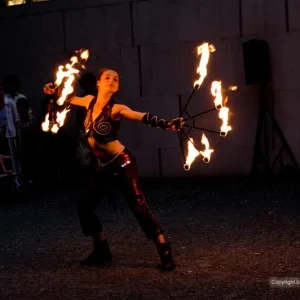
x=256 y=62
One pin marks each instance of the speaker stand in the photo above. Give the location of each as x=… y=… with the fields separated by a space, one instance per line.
x=261 y=164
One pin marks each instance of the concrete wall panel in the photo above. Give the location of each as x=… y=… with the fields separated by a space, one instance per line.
x=38 y=34
x=160 y=69
x=293 y=13
x=155 y=21
x=261 y=17
x=98 y=27
x=208 y=19
x=284 y=50
x=287 y=110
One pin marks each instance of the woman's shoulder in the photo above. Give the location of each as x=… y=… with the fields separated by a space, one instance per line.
x=116 y=99
x=88 y=97
x=90 y=100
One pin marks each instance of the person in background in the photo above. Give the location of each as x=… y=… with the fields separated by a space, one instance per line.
x=12 y=86
x=27 y=140
x=3 y=119
x=24 y=139
x=8 y=126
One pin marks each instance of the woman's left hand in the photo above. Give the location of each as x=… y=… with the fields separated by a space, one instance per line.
x=175 y=124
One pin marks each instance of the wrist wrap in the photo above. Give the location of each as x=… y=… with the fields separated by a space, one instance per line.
x=154 y=121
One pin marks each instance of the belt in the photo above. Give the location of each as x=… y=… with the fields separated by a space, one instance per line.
x=102 y=164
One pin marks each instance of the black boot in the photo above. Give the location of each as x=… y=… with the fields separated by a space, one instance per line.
x=100 y=256
x=165 y=253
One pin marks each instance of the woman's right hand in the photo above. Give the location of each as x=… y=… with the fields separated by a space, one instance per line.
x=49 y=88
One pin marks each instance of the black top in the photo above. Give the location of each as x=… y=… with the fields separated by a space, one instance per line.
x=104 y=129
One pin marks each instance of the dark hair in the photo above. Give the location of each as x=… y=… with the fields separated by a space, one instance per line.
x=102 y=70
x=87 y=77
x=12 y=79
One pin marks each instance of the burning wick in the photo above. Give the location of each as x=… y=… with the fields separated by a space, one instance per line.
x=223 y=115
x=192 y=154
x=216 y=91
x=232 y=88
x=205 y=159
x=186 y=167
x=65 y=76
x=207 y=152
x=203 y=50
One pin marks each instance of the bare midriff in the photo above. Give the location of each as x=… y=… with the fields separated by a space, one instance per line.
x=105 y=150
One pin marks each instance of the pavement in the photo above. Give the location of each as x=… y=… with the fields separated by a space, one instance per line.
x=232 y=238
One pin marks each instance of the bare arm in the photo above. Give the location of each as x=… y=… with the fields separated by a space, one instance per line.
x=129 y=114
x=148 y=119
x=81 y=101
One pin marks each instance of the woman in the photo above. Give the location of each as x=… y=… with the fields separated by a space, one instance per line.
x=115 y=164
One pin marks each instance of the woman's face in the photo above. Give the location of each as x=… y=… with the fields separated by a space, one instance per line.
x=109 y=81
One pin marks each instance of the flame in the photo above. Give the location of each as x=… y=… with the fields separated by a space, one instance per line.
x=204 y=50
x=69 y=71
x=85 y=55
x=67 y=90
x=54 y=128
x=46 y=123
x=192 y=154
x=207 y=152
x=223 y=115
x=66 y=76
x=233 y=88
x=216 y=91
x=60 y=117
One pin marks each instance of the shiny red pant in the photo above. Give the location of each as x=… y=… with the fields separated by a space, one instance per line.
x=122 y=171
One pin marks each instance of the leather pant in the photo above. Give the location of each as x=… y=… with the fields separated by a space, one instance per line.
x=123 y=172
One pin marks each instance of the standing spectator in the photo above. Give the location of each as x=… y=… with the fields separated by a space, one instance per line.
x=11 y=86
x=27 y=137
x=10 y=121
x=24 y=136
x=3 y=119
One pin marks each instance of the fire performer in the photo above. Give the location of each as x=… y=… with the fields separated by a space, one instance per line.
x=115 y=163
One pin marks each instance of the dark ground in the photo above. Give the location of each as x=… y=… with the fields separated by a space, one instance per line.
x=230 y=236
